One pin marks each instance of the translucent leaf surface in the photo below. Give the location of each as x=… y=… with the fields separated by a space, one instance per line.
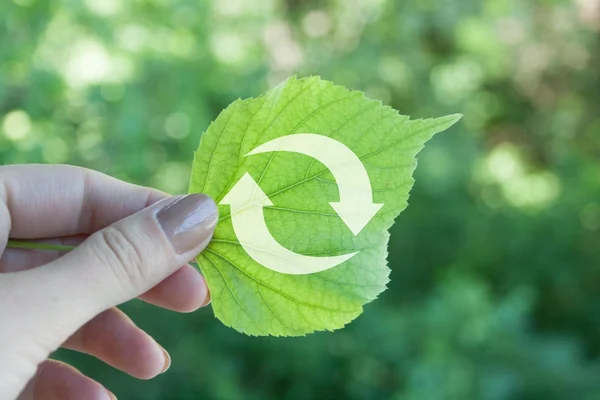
x=256 y=300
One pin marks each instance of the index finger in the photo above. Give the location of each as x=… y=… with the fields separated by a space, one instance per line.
x=42 y=201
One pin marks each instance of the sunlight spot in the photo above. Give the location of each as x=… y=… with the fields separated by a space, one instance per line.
x=88 y=140
x=132 y=37
x=235 y=8
x=394 y=71
x=455 y=82
x=177 y=125
x=504 y=168
x=589 y=13
x=229 y=7
x=286 y=54
x=316 y=23
x=104 y=8
x=16 y=125
x=90 y=63
x=504 y=163
x=228 y=47
x=173 y=177
x=532 y=190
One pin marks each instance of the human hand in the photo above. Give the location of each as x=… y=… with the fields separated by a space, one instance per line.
x=139 y=238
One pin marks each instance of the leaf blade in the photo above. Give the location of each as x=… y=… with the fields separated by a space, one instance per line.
x=256 y=300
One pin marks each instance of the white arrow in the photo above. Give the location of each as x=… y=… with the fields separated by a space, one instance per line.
x=356 y=207
x=247 y=200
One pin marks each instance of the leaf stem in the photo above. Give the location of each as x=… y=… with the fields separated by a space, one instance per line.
x=20 y=244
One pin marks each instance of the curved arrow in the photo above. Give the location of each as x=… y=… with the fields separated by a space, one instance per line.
x=356 y=207
x=247 y=200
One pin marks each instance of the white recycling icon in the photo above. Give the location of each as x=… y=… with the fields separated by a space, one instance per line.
x=247 y=200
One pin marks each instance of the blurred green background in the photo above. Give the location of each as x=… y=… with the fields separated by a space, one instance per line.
x=495 y=290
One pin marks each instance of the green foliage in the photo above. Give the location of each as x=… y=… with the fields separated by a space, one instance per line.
x=256 y=300
x=493 y=292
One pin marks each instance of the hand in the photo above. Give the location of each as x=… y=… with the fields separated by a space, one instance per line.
x=139 y=238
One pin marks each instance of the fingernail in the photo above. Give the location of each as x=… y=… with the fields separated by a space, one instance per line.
x=189 y=221
x=167 y=361
x=111 y=395
x=207 y=300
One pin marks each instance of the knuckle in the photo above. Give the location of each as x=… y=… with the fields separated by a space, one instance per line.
x=118 y=251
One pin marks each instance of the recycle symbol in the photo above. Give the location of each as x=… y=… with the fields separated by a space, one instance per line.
x=247 y=200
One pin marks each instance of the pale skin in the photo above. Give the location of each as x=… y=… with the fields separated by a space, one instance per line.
x=52 y=299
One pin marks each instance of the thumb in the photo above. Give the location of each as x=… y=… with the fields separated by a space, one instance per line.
x=117 y=264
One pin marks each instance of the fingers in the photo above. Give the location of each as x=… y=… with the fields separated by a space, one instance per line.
x=14 y=260
x=112 y=266
x=133 y=255
x=55 y=380
x=113 y=338
x=59 y=200
x=184 y=291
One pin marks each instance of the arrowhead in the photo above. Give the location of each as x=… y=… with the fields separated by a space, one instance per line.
x=356 y=217
x=246 y=192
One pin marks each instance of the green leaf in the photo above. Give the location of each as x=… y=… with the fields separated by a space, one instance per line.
x=259 y=301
